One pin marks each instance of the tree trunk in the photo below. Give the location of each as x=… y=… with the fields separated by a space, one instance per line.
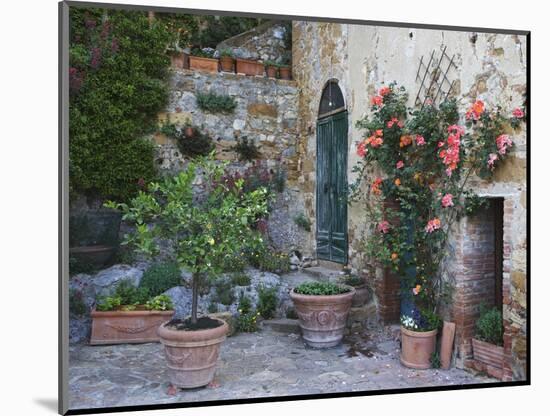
x=195 y=299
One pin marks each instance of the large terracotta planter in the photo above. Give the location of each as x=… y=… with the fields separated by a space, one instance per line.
x=122 y=327
x=227 y=64
x=96 y=256
x=198 y=63
x=488 y=353
x=284 y=72
x=247 y=67
x=191 y=356
x=322 y=318
x=417 y=348
x=361 y=296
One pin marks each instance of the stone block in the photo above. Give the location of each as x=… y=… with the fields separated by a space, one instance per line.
x=178 y=118
x=262 y=110
x=284 y=325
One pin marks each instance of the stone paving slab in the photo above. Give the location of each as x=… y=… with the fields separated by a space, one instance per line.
x=261 y=364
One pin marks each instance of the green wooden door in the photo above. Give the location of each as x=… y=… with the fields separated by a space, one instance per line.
x=332 y=164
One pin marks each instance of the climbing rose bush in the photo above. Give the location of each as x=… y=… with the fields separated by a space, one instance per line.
x=413 y=179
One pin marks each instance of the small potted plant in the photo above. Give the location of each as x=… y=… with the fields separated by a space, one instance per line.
x=227 y=61
x=418 y=338
x=361 y=289
x=487 y=343
x=271 y=69
x=249 y=67
x=322 y=309
x=204 y=232
x=203 y=60
x=130 y=315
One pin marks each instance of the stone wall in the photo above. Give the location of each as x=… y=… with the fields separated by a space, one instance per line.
x=491 y=67
x=266 y=113
x=267 y=42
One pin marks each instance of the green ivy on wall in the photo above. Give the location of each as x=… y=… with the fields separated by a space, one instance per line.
x=118 y=69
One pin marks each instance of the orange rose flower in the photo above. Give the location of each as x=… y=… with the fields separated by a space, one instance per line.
x=394 y=256
x=397 y=182
x=405 y=141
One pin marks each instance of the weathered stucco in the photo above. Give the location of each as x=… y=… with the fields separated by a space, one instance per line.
x=491 y=67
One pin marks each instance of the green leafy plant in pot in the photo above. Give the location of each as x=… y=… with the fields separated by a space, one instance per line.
x=322 y=309
x=203 y=229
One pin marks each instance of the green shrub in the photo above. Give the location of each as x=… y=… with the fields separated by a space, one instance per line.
x=245 y=304
x=77 y=266
x=202 y=53
x=160 y=277
x=224 y=292
x=215 y=103
x=353 y=280
x=270 y=261
x=159 y=303
x=125 y=295
x=489 y=327
x=267 y=302
x=227 y=53
x=247 y=322
x=320 y=288
x=199 y=144
x=212 y=307
x=240 y=279
x=302 y=221
x=118 y=72
x=76 y=303
x=246 y=149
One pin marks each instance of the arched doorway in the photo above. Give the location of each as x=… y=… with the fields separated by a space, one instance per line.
x=332 y=164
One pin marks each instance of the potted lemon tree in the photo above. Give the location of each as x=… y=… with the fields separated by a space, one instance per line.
x=205 y=222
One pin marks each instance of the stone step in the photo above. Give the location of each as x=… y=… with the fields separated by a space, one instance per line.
x=283 y=325
x=324 y=273
x=294 y=279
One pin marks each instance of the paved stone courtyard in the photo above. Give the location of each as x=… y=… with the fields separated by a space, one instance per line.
x=261 y=364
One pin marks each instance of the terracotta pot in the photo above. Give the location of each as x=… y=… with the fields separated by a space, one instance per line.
x=203 y=64
x=417 y=348
x=97 y=256
x=284 y=72
x=322 y=318
x=361 y=296
x=488 y=353
x=247 y=67
x=227 y=64
x=192 y=355
x=271 y=71
x=121 y=327
x=179 y=60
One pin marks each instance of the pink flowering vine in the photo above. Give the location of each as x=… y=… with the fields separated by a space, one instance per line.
x=399 y=164
x=491 y=160
x=383 y=227
x=434 y=224
x=503 y=143
x=447 y=201
x=420 y=140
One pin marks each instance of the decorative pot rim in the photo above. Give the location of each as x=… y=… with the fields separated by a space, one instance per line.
x=323 y=298
x=487 y=343
x=249 y=61
x=170 y=334
x=418 y=334
x=134 y=313
x=203 y=58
